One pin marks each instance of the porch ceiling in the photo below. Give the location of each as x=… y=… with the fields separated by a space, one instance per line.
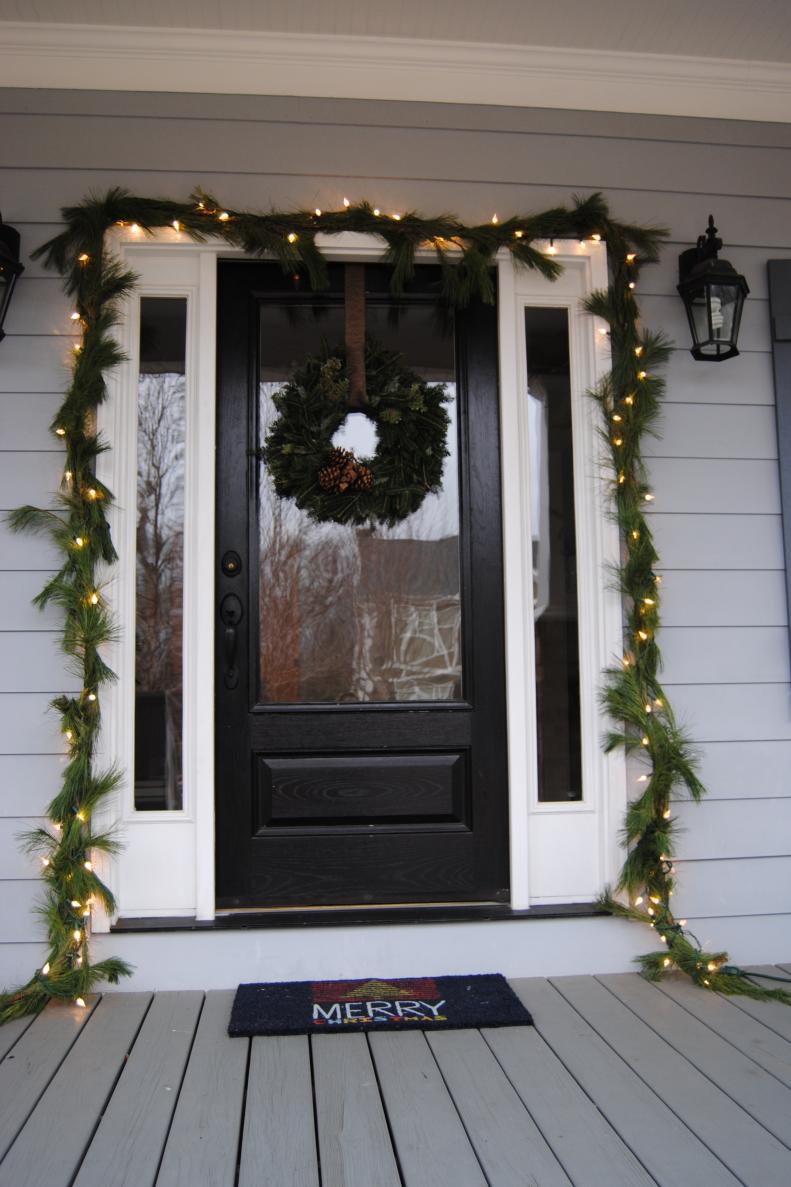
x=708 y=59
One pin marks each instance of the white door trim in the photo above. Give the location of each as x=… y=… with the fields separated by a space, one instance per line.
x=167 y=866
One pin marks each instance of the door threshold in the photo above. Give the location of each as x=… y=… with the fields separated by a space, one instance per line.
x=364 y=915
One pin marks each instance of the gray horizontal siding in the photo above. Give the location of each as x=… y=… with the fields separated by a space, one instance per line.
x=716 y=516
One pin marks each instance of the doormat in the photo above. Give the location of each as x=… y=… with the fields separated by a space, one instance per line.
x=343 y=1007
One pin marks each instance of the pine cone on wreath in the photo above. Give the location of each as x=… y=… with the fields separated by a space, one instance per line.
x=331 y=474
x=364 y=479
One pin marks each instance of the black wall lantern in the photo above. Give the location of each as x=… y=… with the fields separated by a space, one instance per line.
x=10 y=268
x=713 y=293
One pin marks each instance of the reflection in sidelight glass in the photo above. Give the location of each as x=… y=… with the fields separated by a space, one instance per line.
x=349 y=614
x=554 y=555
x=160 y=553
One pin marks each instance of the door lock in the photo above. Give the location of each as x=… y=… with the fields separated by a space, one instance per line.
x=231 y=564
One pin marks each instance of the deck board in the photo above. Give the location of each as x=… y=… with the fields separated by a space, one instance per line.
x=620 y=1084
x=33 y=1061
x=279 y=1140
x=668 y=1150
x=51 y=1146
x=509 y=1144
x=11 y=1033
x=429 y=1137
x=128 y=1144
x=203 y=1141
x=590 y=1150
x=768 y=1101
x=743 y=1144
x=354 y=1141
x=742 y=1031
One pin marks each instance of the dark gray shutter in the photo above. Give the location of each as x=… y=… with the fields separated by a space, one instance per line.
x=780 y=314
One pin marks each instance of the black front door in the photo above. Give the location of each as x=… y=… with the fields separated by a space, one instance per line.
x=360 y=688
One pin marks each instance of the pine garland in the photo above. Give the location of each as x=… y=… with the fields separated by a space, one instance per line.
x=629 y=399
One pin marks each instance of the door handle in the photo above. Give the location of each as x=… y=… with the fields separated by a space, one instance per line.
x=231 y=614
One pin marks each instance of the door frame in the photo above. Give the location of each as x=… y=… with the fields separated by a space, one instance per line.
x=167 y=865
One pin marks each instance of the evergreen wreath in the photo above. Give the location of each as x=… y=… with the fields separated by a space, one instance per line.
x=331 y=484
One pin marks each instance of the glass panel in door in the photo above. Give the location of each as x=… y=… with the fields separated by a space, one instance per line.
x=358 y=614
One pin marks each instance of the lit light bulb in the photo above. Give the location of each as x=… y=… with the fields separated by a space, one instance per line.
x=134 y=229
x=649 y=602
x=717 y=316
x=648 y=707
x=77 y=934
x=617 y=418
x=629 y=400
x=666 y=961
x=495 y=220
x=88 y=865
x=711 y=966
x=638 y=350
x=91 y=696
x=45 y=861
x=346 y=203
x=223 y=216
x=84 y=258
x=81 y=817
x=69 y=735
x=93 y=493
x=645 y=740
x=396 y=218
x=648 y=497
x=638 y=900
x=631 y=257
x=79 y=541
x=518 y=234
x=94 y=599
x=621 y=478
x=176 y=225
x=642 y=778
x=552 y=250
x=666 y=814
x=651 y=911
x=75 y=904
x=682 y=922
x=86 y=912
x=632 y=285
x=80 y=1001
x=635 y=534
x=642 y=374
x=45 y=969
x=617 y=441
x=596 y=237
x=67 y=474
x=377 y=211
x=317 y=212
x=292 y=238
x=60 y=432
x=74 y=316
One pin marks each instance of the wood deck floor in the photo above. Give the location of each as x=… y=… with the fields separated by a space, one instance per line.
x=619 y=1082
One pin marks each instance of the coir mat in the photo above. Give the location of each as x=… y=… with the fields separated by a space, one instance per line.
x=374 y=1003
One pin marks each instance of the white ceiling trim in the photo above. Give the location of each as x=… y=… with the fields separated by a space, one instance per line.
x=96 y=57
